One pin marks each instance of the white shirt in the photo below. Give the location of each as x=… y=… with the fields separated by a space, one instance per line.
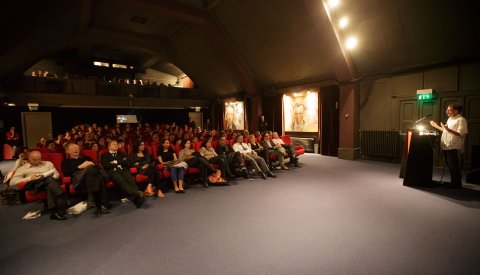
x=25 y=172
x=451 y=141
x=242 y=148
x=277 y=141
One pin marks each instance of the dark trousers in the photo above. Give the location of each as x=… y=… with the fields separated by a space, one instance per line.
x=291 y=152
x=221 y=161
x=203 y=164
x=125 y=182
x=55 y=197
x=151 y=173
x=265 y=155
x=453 y=164
x=95 y=185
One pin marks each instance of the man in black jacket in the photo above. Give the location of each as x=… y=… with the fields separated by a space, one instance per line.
x=86 y=175
x=116 y=164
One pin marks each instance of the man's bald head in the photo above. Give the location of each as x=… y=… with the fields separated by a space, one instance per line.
x=35 y=158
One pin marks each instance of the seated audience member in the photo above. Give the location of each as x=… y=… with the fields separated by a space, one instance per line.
x=51 y=147
x=12 y=138
x=145 y=164
x=42 y=175
x=251 y=156
x=41 y=144
x=116 y=165
x=80 y=142
x=21 y=160
x=234 y=159
x=288 y=148
x=86 y=175
x=276 y=149
x=94 y=146
x=260 y=150
x=167 y=157
x=102 y=144
x=208 y=152
x=187 y=155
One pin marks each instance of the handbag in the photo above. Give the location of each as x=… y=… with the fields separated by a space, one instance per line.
x=216 y=178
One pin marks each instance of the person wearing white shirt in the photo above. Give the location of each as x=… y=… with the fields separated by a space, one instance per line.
x=43 y=171
x=452 y=142
x=289 y=148
x=251 y=156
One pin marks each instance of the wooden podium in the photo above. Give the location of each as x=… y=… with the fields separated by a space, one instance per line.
x=417 y=160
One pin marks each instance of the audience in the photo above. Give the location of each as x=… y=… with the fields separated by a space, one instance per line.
x=169 y=138
x=168 y=158
x=116 y=165
x=251 y=156
x=42 y=175
x=145 y=164
x=86 y=176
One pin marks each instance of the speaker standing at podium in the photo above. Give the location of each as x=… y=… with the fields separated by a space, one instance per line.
x=452 y=142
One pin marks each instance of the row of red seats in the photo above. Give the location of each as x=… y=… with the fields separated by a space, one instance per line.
x=57 y=158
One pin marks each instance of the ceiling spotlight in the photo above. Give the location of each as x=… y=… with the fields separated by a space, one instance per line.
x=333 y=3
x=351 y=43
x=343 y=22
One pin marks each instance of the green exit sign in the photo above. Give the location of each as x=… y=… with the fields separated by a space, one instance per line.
x=425 y=96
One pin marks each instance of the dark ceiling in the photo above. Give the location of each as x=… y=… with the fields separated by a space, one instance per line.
x=230 y=46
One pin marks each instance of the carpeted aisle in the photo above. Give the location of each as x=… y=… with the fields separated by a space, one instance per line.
x=330 y=217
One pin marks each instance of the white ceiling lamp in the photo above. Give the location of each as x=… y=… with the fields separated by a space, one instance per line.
x=333 y=3
x=351 y=43
x=343 y=22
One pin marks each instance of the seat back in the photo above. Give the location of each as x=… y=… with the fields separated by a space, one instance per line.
x=7 y=152
x=56 y=159
x=286 y=139
x=91 y=154
x=197 y=146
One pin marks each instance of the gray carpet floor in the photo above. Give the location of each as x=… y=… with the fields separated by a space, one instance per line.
x=329 y=217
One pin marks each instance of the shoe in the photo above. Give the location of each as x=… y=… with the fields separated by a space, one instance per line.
x=160 y=194
x=205 y=183
x=263 y=175
x=272 y=175
x=58 y=216
x=296 y=164
x=453 y=185
x=102 y=210
x=107 y=205
x=284 y=167
x=245 y=173
x=139 y=200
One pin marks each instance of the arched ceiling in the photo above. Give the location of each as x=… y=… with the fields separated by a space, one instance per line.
x=231 y=46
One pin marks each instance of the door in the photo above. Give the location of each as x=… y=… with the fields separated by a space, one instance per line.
x=329 y=120
x=408 y=114
x=197 y=117
x=35 y=126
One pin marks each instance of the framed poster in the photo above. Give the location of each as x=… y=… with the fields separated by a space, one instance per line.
x=234 y=116
x=300 y=112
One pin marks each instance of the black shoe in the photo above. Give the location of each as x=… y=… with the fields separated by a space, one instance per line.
x=246 y=175
x=139 y=200
x=263 y=175
x=102 y=210
x=270 y=174
x=58 y=216
x=453 y=185
x=296 y=164
x=107 y=205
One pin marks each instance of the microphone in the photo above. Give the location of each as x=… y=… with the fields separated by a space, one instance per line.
x=423 y=118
